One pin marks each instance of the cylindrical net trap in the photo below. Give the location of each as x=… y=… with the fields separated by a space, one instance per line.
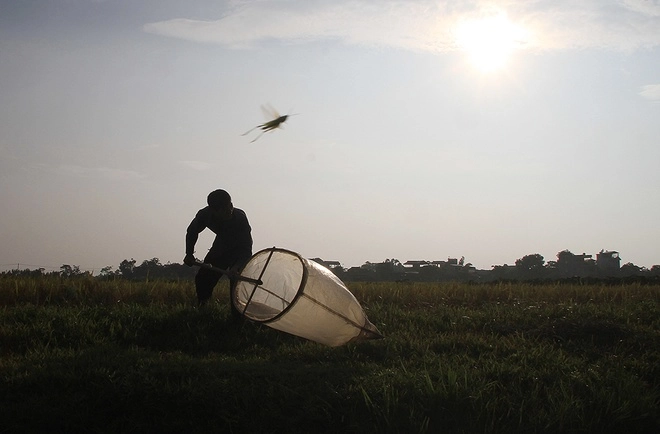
x=301 y=297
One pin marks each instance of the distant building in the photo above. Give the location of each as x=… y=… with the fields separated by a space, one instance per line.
x=608 y=262
x=450 y=262
x=416 y=264
x=327 y=264
x=570 y=265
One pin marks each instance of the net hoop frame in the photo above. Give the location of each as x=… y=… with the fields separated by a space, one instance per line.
x=299 y=291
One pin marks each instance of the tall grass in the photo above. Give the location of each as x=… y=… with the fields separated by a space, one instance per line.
x=86 y=290
x=116 y=356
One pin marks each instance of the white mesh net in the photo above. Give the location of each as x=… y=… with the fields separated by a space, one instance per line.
x=301 y=297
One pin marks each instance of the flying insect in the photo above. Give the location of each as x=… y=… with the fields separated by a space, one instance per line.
x=270 y=112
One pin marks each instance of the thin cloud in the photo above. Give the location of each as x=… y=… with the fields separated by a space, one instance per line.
x=424 y=25
x=647 y=7
x=101 y=172
x=148 y=147
x=354 y=23
x=651 y=91
x=197 y=165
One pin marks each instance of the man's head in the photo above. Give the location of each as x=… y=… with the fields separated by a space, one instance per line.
x=220 y=202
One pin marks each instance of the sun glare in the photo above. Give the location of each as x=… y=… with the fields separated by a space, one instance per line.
x=489 y=42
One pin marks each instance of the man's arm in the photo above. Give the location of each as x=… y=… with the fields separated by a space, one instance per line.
x=191 y=240
x=192 y=234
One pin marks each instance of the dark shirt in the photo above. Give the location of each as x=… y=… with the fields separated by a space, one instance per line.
x=233 y=237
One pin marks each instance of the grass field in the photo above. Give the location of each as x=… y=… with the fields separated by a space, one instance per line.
x=83 y=355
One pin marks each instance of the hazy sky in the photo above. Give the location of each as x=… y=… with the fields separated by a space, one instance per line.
x=426 y=129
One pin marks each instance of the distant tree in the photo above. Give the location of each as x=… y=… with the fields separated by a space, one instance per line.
x=655 y=270
x=390 y=269
x=630 y=269
x=530 y=264
x=26 y=272
x=154 y=269
x=368 y=266
x=106 y=272
x=502 y=272
x=149 y=268
x=388 y=265
x=126 y=268
x=151 y=263
x=70 y=271
x=565 y=259
x=395 y=262
x=177 y=271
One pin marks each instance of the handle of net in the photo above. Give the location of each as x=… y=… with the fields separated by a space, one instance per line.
x=229 y=273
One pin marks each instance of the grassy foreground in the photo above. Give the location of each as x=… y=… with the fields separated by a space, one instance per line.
x=81 y=355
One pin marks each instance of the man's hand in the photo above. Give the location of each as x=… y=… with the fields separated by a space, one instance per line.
x=189 y=260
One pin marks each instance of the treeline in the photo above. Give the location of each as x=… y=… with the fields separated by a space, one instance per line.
x=150 y=269
x=531 y=267
x=528 y=268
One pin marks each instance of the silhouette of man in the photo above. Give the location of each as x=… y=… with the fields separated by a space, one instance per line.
x=231 y=249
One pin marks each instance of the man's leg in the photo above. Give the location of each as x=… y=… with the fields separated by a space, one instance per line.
x=205 y=281
x=225 y=263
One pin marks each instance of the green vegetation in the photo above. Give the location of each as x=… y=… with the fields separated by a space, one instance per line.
x=87 y=355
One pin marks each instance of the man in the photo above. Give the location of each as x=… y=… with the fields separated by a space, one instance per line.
x=232 y=246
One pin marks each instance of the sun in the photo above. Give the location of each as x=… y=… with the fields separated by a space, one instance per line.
x=489 y=42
